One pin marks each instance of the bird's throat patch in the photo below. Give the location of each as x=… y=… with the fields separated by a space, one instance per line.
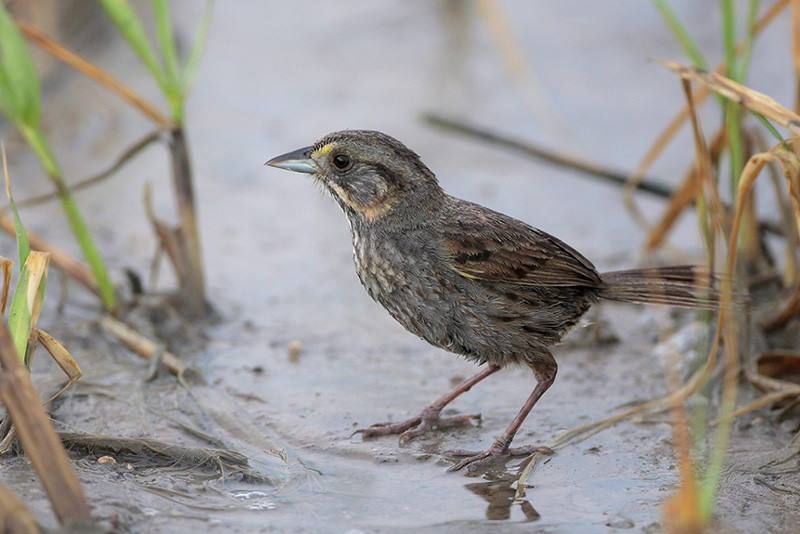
x=370 y=212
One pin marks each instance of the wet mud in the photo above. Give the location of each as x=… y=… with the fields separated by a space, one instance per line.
x=300 y=357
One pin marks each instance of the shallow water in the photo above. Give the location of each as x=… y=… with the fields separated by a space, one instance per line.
x=275 y=77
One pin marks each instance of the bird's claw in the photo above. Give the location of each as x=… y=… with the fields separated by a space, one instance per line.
x=437 y=423
x=494 y=453
x=387 y=429
x=415 y=427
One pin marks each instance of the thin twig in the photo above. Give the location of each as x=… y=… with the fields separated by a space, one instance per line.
x=127 y=155
x=104 y=78
x=38 y=439
x=141 y=345
x=787 y=311
x=538 y=152
x=75 y=269
x=589 y=168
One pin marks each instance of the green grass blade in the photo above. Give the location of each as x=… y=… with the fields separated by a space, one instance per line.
x=747 y=51
x=716 y=460
x=18 y=315
x=7 y=104
x=27 y=302
x=200 y=37
x=166 y=41
x=76 y=222
x=23 y=245
x=90 y=252
x=771 y=129
x=689 y=46
x=19 y=81
x=729 y=36
x=735 y=141
x=128 y=24
x=732 y=110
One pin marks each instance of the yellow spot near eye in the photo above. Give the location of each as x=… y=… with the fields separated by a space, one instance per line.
x=325 y=150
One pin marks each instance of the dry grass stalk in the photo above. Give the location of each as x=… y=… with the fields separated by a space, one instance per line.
x=169 y=237
x=767 y=400
x=701 y=376
x=705 y=169
x=790 y=165
x=40 y=442
x=681 y=511
x=766 y=382
x=141 y=345
x=741 y=94
x=652 y=154
x=790 y=228
x=665 y=136
x=63 y=359
x=788 y=310
x=37 y=265
x=73 y=268
x=94 y=72
x=193 y=282
x=7 y=266
x=684 y=197
x=15 y=518
x=159 y=452
x=796 y=51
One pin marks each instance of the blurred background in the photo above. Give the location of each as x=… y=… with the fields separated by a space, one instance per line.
x=298 y=352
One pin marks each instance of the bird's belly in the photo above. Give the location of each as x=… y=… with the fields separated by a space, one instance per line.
x=484 y=323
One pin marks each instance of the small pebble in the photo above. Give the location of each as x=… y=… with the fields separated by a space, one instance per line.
x=295 y=348
x=107 y=460
x=621 y=523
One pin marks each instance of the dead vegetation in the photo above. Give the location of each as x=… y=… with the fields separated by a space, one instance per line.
x=734 y=231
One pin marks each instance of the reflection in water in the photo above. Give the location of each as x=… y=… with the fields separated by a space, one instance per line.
x=500 y=495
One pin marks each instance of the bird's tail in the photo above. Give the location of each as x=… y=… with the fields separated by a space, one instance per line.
x=688 y=286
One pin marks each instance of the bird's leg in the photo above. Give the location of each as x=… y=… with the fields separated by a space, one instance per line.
x=546 y=375
x=429 y=418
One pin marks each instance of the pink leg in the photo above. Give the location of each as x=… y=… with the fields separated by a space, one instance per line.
x=429 y=418
x=546 y=374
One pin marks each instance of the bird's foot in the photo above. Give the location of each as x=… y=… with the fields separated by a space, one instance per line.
x=415 y=427
x=497 y=452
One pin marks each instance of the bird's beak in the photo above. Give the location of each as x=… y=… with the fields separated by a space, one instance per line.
x=298 y=161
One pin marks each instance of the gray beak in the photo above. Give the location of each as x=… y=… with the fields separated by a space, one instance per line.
x=297 y=161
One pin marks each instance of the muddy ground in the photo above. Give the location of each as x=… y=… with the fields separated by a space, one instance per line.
x=276 y=76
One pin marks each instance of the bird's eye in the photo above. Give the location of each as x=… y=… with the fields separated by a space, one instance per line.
x=342 y=162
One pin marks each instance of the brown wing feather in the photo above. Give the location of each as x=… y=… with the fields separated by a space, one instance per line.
x=493 y=247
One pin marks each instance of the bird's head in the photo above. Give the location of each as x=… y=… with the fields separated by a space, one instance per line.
x=369 y=173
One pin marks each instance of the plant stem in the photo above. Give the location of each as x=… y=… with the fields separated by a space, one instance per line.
x=193 y=286
x=74 y=217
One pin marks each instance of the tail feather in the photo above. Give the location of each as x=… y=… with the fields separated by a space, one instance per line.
x=687 y=286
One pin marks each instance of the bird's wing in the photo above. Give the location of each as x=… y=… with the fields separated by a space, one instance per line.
x=492 y=247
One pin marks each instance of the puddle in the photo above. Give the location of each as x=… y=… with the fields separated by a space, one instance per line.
x=276 y=76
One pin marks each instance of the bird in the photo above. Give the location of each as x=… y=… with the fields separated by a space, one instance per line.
x=467 y=279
